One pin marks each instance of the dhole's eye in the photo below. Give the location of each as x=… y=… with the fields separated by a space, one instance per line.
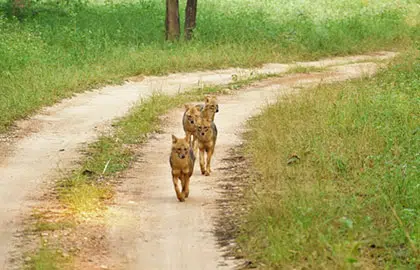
x=179 y=149
x=185 y=149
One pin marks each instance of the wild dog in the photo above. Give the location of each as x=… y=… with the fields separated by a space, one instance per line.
x=206 y=138
x=182 y=161
x=189 y=119
x=210 y=108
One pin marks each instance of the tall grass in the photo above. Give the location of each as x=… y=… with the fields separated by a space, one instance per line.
x=57 y=49
x=352 y=199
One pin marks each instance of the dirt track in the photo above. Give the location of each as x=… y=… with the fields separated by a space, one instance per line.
x=147 y=225
x=149 y=229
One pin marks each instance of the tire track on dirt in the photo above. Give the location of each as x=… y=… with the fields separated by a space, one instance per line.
x=148 y=227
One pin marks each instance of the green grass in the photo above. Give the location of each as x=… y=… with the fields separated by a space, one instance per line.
x=41 y=226
x=48 y=259
x=302 y=69
x=352 y=200
x=58 y=49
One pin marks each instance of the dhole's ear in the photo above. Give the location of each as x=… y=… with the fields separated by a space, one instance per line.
x=207 y=99
x=187 y=106
x=174 y=139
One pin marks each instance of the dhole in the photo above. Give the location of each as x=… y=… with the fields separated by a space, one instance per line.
x=182 y=161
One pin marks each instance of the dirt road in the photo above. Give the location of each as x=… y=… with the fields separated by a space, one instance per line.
x=150 y=227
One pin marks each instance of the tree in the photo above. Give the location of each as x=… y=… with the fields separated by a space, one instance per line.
x=190 y=18
x=172 y=26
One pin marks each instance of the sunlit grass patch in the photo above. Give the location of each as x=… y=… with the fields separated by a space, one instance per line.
x=48 y=259
x=41 y=225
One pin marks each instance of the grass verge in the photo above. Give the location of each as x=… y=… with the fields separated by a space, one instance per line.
x=337 y=176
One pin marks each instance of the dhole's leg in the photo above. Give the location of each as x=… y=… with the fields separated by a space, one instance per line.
x=182 y=178
x=186 y=188
x=195 y=144
x=179 y=195
x=209 y=155
x=203 y=171
x=188 y=135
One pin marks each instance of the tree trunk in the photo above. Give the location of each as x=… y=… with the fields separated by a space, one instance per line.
x=172 y=26
x=190 y=18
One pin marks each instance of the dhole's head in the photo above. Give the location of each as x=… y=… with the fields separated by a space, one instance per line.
x=192 y=113
x=203 y=127
x=211 y=104
x=180 y=146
